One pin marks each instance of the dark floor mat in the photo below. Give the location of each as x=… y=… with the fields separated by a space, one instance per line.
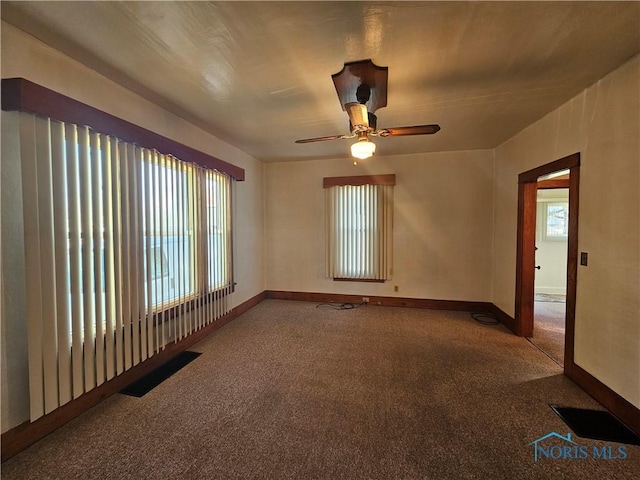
x=596 y=424
x=159 y=375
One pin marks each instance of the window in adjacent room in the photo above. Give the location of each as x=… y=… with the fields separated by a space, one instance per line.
x=554 y=219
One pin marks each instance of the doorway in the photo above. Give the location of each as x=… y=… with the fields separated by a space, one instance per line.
x=528 y=183
x=552 y=231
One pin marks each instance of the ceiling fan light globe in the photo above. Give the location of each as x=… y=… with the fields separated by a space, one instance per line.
x=363 y=149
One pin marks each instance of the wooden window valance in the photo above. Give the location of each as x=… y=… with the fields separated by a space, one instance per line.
x=23 y=95
x=388 y=179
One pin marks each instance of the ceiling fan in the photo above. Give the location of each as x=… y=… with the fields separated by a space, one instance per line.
x=369 y=83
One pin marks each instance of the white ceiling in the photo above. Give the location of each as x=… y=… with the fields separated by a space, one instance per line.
x=258 y=74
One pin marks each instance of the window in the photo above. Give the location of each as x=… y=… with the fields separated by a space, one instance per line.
x=117 y=258
x=168 y=211
x=168 y=231
x=556 y=220
x=359 y=227
x=126 y=250
x=218 y=214
x=552 y=224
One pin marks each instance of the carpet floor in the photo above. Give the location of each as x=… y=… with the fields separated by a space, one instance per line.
x=550 y=297
x=291 y=391
x=549 y=328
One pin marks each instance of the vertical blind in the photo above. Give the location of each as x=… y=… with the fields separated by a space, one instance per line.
x=126 y=250
x=359 y=231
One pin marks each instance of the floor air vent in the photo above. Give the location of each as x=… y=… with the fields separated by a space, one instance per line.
x=159 y=375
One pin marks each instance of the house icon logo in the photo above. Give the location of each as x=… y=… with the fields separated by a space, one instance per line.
x=537 y=447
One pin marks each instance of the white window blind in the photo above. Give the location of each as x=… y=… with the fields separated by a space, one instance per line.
x=126 y=250
x=359 y=231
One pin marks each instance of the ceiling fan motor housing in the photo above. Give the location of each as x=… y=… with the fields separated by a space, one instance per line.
x=373 y=124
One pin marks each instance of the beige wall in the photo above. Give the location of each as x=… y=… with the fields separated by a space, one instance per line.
x=24 y=56
x=442 y=224
x=603 y=124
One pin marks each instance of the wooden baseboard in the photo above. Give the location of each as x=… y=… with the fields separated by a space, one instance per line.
x=618 y=406
x=26 y=434
x=504 y=318
x=249 y=304
x=458 y=305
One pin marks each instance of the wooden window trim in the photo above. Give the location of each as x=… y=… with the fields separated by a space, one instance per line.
x=196 y=300
x=23 y=95
x=358 y=180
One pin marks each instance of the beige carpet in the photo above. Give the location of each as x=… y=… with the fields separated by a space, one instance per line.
x=290 y=391
x=549 y=329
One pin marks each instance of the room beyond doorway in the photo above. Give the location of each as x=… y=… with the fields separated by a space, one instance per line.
x=552 y=229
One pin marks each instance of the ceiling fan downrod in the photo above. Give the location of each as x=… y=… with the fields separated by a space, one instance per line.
x=363 y=93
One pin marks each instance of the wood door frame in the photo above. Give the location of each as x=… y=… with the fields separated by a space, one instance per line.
x=525 y=250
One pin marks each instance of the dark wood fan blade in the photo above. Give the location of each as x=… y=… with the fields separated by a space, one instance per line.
x=413 y=130
x=321 y=139
x=357 y=114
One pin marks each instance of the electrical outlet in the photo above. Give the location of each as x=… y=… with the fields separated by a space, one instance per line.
x=365 y=299
x=584 y=258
